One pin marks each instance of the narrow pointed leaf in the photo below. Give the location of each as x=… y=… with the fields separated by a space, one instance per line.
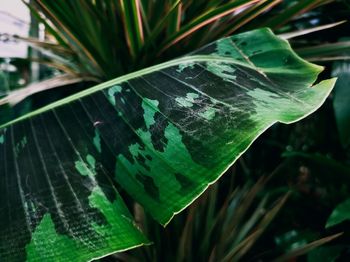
x=133 y=24
x=205 y=19
x=311 y=30
x=163 y=134
x=324 y=50
x=175 y=19
x=16 y=96
x=306 y=248
x=173 y=10
x=250 y=14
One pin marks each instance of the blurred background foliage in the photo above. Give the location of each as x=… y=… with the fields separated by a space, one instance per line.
x=287 y=196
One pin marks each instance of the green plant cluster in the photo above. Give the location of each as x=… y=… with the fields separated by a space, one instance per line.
x=286 y=198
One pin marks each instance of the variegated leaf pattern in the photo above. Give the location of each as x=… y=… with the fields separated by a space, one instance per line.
x=162 y=134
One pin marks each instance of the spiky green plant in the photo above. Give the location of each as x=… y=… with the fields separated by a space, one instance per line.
x=105 y=39
x=98 y=40
x=222 y=225
x=91 y=40
x=213 y=228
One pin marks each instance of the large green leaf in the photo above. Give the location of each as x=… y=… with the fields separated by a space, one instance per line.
x=340 y=214
x=162 y=134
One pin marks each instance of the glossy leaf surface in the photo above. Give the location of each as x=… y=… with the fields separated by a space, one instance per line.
x=162 y=134
x=340 y=214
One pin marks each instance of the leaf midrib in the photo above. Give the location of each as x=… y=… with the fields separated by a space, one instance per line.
x=148 y=70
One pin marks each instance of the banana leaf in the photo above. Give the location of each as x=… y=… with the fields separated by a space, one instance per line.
x=162 y=135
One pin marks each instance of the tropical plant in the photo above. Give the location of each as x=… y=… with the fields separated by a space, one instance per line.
x=123 y=36
x=222 y=225
x=100 y=40
x=163 y=134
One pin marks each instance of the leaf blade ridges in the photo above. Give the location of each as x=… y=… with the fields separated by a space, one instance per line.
x=163 y=134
